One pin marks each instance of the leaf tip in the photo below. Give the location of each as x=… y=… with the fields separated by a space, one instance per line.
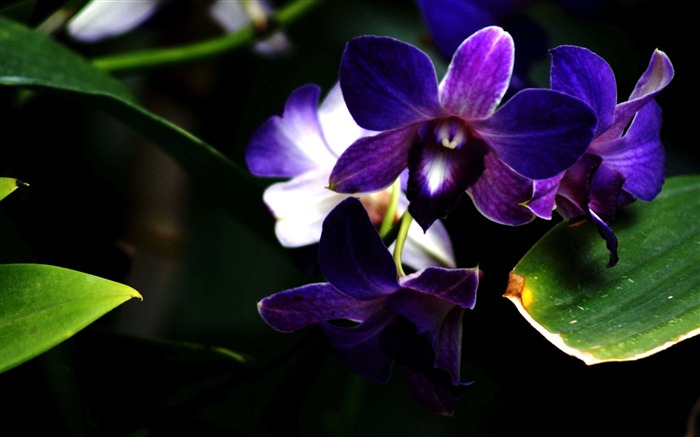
x=517 y=290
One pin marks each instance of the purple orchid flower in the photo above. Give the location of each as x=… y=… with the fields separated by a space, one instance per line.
x=626 y=159
x=302 y=144
x=415 y=320
x=445 y=134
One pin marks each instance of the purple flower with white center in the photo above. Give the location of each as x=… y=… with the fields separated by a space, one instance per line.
x=415 y=320
x=626 y=159
x=303 y=144
x=443 y=133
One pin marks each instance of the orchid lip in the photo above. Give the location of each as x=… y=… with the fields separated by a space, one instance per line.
x=450 y=133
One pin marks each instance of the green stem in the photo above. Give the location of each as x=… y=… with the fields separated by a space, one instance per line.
x=388 y=220
x=167 y=57
x=406 y=220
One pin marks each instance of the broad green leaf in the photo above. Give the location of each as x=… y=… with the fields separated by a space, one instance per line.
x=33 y=60
x=8 y=185
x=645 y=304
x=42 y=306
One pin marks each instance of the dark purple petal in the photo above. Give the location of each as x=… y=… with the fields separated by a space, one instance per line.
x=300 y=307
x=372 y=163
x=605 y=187
x=609 y=237
x=451 y=21
x=479 y=74
x=352 y=255
x=433 y=389
x=544 y=196
x=500 y=193
x=456 y=286
x=290 y=144
x=581 y=73
x=360 y=347
x=574 y=189
x=438 y=176
x=539 y=133
x=656 y=77
x=639 y=155
x=387 y=83
x=448 y=345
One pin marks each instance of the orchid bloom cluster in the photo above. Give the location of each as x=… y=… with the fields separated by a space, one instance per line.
x=393 y=139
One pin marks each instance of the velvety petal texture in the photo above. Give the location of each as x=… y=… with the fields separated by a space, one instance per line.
x=353 y=257
x=290 y=144
x=388 y=83
x=539 y=133
x=415 y=320
x=479 y=74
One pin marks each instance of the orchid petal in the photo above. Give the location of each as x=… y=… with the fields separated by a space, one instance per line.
x=372 y=163
x=360 y=347
x=605 y=187
x=387 y=83
x=438 y=176
x=639 y=155
x=500 y=193
x=575 y=187
x=339 y=128
x=544 y=194
x=98 y=20
x=433 y=389
x=300 y=206
x=656 y=77
x=353 y=257
x=427 y=249
x=539 y=133
x=479 y=74
x=610 y=239
x=291 y=144
x=297 y=308
x=456 y=286
x=579 y=72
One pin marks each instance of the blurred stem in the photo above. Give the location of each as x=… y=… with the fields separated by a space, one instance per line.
x=388 y=220
x=406 y=220
x=167 y=57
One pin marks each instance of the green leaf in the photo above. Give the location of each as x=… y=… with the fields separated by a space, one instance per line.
x=645 y=304
x=33 y=60
x=42 y=306
x=8 y=185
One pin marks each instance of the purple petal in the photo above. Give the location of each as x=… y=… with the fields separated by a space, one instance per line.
x=290 y=310
x=360 y=347
x=372 y=163
x=639 y=155
x=656 y=77
x=581 y=73
x=387 y=83
x=539 y=133
x=353 y=257
x=291 y=144
x=479 y=74
x=500 y=193
x=544 y=196
x=574 y=187
x=609 y=237
x=605 y=187
x=448 y=347
x=451 y=22
x=456 y=286
x=438 y=176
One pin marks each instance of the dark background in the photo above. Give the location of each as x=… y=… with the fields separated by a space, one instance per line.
x=105 y=201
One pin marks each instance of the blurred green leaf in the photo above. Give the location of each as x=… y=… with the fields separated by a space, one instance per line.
x=33 y=60
x=42 y=306
x=647 y=303
x=8 y=185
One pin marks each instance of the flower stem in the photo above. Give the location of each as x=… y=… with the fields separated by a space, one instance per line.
x=406 y=220
x=388 y=220
x=142 y=60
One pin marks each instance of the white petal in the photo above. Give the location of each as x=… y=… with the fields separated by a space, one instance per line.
x=100 y=19
x=339 y=128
